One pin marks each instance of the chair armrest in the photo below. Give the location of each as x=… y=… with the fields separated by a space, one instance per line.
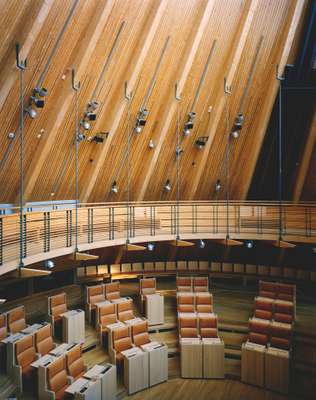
x=70 y=379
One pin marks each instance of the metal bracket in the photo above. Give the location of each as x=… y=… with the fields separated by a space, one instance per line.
x=128 y=96
x=178 y=95
x=75 y=86
x=227 y=89
x=277 y=75
x=21 y=64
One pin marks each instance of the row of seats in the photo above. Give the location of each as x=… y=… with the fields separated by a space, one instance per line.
x=192 y=284
x=13 y=321
x=278 y=310
x=274 y=333
x=277 y=290
x=195 y=302
x=198 y=326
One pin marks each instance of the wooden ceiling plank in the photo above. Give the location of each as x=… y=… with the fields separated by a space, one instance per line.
x=172 y=110
x=38 y=162
x=221 y=98
x=99 y=159
x=305 y=161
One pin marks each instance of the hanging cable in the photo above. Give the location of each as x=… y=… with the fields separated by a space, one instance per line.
x=128 y=149
x=227 y=158
x=280 y=183
x=178 y=174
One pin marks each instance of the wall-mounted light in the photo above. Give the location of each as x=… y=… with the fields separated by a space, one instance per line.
x=151 y=144
x=167 y=186
x=249 y=244
x=201 y=142
x=218 y=185
x=114 y=188
x=150 y=246
x=201 y=244
x=31 y=112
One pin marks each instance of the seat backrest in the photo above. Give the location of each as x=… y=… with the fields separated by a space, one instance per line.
x=262 y=303
x=57 y=374
x=44 y=340
x=184 y=283
x=57 y=304
x=112 y=290
x=200 y=284
x=139 y=327
x=283 y=307
x=125 y=310
x=16 y=319
x=3 y=326
x=185 y=299
x=107 y=314
x=208 y=321
x=140 y=333
x=74 y=361
x=147 y=286
x=25 y=352
x=95 y=294
x=125 y=305
x=281 y=330
x=259 y=326
x=188 y=322
x=121 y=339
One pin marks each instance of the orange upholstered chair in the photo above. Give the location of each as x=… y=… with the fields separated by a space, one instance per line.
x=200 y=284
x=75 y=363
x=57 y=305
x=3 y=334
x=286 y=292
x=268 y=289
x=188 y=327
x=140 y=333
x=204 y=303
x=184 y=284
x=147 y=286
x=57 y=378
x=208 y=326
x=121 y=341
x=283 y=311
x=281 y=335
x=125 y=310
x=259 y=331
x=112 y=290
x=107 y=316
x=16 y=319
x=44 y=340
x=25 y=355
x=186 y=303
x=95 y=294
x=263 y=308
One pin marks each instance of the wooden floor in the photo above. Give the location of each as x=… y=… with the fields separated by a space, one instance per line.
x=234 y=305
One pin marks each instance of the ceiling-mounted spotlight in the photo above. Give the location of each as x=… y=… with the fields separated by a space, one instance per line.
x=249 y=244
x=114 y=188
x=239 y=120
x=85 y=124
x=179 y=151
x=93 y=105
x=39 y=103
x=189 y=124
x=11 y=135
x=80 y=137
x=138 y=129
x=151 y=144
x=235 y=134
x=99 y=137
x=218 y=185
x=31 y=112
x=49 y=264
x=201 y=142
x=90 y=116
x=167 y=186
x=201 y=244
x=141 y=120
x=151 y=246
x=42 y=92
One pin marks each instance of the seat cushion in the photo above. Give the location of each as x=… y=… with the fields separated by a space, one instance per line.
x=140 y=327
x=209 y=321
x=263 y=304
x=58 y=382
x=280 y=343
x=188 y=322
x=184 y=288
x=126 y=315
x=283 y=331
x=269 y=295
x=108 y=320
x=200 y=288
x=45 y=346
x=263 y=314
x=208 y=332
x=123 y=344
x=59 y=309
x=188 y=332
x=77 y=368
x=285 y=296
x=96 y=299
x=258 y=338
x=285 y=318
x=186 y=308
x=17 y=326
x=204 y=308
x=146 y=291
x=141 y=338
x=261 y=326
x=61 y=394
x=284 y=307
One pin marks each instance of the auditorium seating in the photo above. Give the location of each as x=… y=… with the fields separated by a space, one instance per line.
x=186 y=303
x=184 y=284
x=259 y=331
x=188 y=326
x=75 y=363
x=281 y=335
x=125 y=310
x=263 y=308
x=112 y=290
x=16 y=319
x=208 y=326
x=3 y=334
x=204 y=302
x=94 y=294
x=44 y=340
x=25 y=355
x=107 y=315
x=57 y=378
x=200 y=284
x=146 y=286
x=121 y=341
x=57 y=305
x=140 y=333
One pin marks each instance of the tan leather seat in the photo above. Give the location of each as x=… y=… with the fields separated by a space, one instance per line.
x=185 y=303
x=264 y=308
x=75 y=363
x=16 y=319
x=112 y=290
x=44 y=340
x=184 y=284
x=25 y=355
x=95 y=294
x=286 y=292
x=259 y=331
x=147 y=286
x=57 y=306
x=281 y=335
x=188 y=327
x=200 y=284
x=57 y=378
x=121 y=341
x=125 y=310
x=204 y=303
x=208 y=326
x=107 y=316
x=140 y=333
x=268 y=289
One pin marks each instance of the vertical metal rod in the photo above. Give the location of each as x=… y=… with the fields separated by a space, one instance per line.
x=76 y=88
x=227 y=167
x=21 y=164
x=280 y=161
x=128 y=167
x=178 y=172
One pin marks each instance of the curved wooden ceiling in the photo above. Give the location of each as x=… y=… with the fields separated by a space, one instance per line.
x=193 y=25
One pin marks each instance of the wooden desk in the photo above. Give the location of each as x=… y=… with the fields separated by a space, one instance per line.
x=277 y=369
x=85 y=389
x=213 y=358
x=107 y=376
x=154 y=309
x=253 y=363
x=158 y=362
x=73 y=326
x=135 y=369
x=191 y=355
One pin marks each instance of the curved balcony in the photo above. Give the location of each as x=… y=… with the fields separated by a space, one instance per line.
x=45 y=233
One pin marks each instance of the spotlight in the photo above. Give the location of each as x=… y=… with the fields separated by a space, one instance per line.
x=31 y=112
x=167 y=186
x=49 y=264
x=97 y=139
x=141 y=120
x=11 y=135
x=201 y=142
x=114 y=188
x=93 y=105
x=186 y=132
x=235 y=134
x=201 y=244
x=138 y=129
x=151 y=246
x=179 y=151
x=239 y=120
x=189 y=124
x=80 y=137
x=151 y=144
x=249 y=244
x=218 y=185
x=90 y=116
x=39 y=103
x=42 y=92
x=85 y=124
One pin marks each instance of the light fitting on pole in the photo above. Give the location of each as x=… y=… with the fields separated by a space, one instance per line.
x=201 y=142
x=201 y=244
x=167 y=186
x=239 y=120
x=49 y=264
x=39 y=103
x=91 y=116
x=249 y=244
x=218 y=185
x=188 y=126
x=11 y=135
x=85 y=124
x=151 y=144
x=141 y=120
x=41 y=92
x=31 y=112
x=151 y=246
x=114 y=188
x=179 y=151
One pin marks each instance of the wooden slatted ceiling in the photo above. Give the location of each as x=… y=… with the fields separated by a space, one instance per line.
x=192 y=25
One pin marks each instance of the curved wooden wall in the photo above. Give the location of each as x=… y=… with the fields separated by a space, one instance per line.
x=192 y=25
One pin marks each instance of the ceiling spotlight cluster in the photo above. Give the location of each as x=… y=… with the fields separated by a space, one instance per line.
x=141 y=120
x=218 y=185
x=150 y=246
x=114 y=188
x=249 y=244
x=167 y=187
x=201 y=142
x=239 y=120
x=89 y=115
x=188 y=126
x=37 y=100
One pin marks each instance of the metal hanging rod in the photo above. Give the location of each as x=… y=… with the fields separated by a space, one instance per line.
x=251 y=74
x=76 y=88
x=54 y=49
x=153 y=79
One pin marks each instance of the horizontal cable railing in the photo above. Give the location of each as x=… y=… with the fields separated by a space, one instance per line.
x=51 y=232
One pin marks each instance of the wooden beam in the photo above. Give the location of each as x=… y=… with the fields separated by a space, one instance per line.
x=82 y=256
x=43 y=154
x=181 y=243
x=282 y=244
x=24 y=273
x=229 y=242
x=173 y=108
x=220 y=100
x=134 y=247
x=305 y=161
x=102 y=154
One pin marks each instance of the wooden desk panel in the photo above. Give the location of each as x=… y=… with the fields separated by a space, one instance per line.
x=154 y=304
x=158 y=362
x=135 y=370
x=191 y=358
x=253 y=363
x=213 y=358
x=277 y=369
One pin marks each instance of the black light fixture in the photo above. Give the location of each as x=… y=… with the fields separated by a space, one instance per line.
x=218 y=185
x=114 y=188
x=85 y=124
x=141 y=120
x=151 y=246
x=179 y=151
x=188 y=126
x=99 y=137
x=91 y=116
x=167 y=186
x=201 y=142
x=40 y=91
x=249 y=244
x=201 y=244
x=31 y=112
x=239 y=120
x=39 y=103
